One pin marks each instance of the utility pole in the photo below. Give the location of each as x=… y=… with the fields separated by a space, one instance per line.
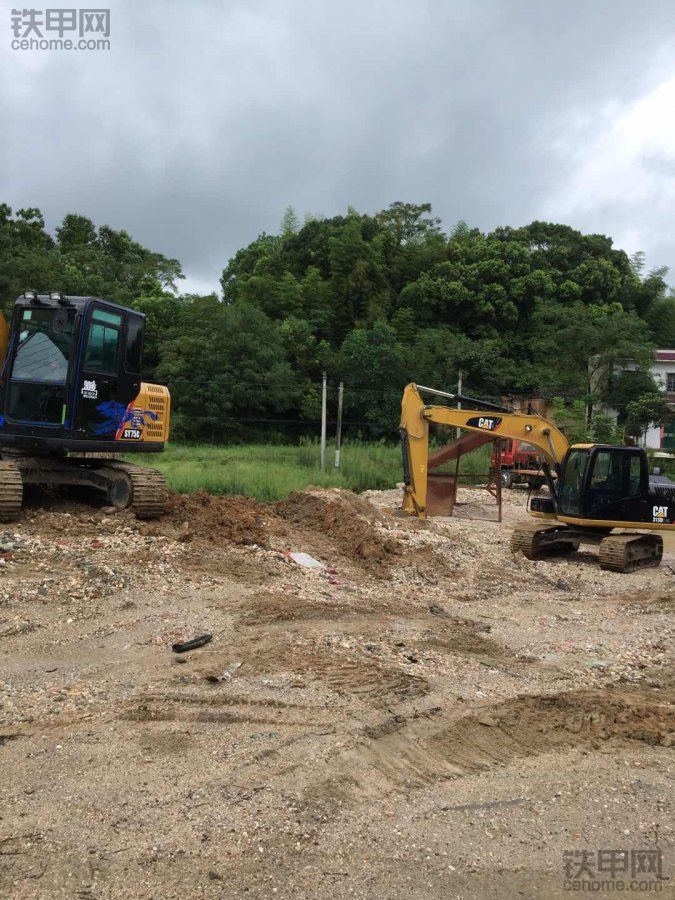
x=338 y=430
x=458 y=431
x=323 y=424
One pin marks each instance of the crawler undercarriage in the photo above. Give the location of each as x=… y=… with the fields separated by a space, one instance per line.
x=623 y=552
x=119 y=483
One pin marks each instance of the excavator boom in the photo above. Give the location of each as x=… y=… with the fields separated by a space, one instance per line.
x=489 y=420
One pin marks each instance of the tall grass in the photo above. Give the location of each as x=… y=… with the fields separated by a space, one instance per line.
x=270 y=472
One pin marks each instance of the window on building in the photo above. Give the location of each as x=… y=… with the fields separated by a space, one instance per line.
x=670 y=382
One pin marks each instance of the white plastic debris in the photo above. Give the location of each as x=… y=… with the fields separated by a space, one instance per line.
x=304 y=559
x=227 y=675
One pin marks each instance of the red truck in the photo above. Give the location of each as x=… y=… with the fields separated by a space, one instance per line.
x=519 y=463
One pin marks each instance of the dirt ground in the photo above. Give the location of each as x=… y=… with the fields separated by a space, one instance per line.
x=426 y=716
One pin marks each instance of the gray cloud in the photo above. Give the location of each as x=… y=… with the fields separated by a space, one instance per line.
x=205 y=120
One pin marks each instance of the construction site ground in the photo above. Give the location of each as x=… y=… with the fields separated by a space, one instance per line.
x=426 y=716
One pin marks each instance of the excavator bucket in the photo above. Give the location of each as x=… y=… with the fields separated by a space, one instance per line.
x=441 y=493
x=441 y=486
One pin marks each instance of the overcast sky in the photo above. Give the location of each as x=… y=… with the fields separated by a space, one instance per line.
x=205 y=119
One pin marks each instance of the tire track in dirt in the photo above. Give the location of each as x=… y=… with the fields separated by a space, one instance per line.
x=221 y=709
x=414 y=753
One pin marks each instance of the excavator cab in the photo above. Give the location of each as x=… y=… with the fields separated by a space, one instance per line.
x=601 y=482
x=71 y=378
x=71 y=394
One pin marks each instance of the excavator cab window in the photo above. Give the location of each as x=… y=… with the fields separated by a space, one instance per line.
x=572 y=482
x=43 y=348
x=37 y=385
x=635 y=476
x=102 y=345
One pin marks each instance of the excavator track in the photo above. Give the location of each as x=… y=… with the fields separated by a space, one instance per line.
x=148 y=494
x=124 y=485
x=539 y=541
x=11 y=491
x=528 y=539
x=628 y=552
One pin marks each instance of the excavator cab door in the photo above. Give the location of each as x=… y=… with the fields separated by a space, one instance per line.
x=109 y=371
x=616 y=484
x=38 y=367
x=608 y=483
x=572 y=481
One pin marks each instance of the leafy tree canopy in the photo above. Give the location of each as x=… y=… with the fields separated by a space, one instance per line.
x=374 y=300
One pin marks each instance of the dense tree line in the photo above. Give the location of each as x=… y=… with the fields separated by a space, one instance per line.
x=375 y=300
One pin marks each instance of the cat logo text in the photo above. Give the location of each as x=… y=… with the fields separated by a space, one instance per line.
x=660 y=514
x=485 y=423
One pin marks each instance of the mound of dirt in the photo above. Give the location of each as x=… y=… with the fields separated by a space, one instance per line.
x=207 y=518
x=348 y=521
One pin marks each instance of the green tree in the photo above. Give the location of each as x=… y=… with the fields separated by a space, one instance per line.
x=579 y=349
x=227 y=362
x=260 y=258
x=75 y=232
x=373 y=368
x=404 y=325
x=570 y=417
x=625 y=386
x=308 y=357
x=661 y=320
x=288 y=297
x=647 y=410
x=289 y=222
x=317 y=307
x=409 y=222
x=356 y=278
x=164 y=320
x=604 y=430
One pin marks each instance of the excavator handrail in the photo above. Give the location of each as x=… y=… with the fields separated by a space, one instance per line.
x=416 y=416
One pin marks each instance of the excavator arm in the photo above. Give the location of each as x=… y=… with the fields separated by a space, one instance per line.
x=492 y=420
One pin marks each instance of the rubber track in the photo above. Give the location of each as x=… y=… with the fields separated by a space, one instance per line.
x=11 y=491
x=615 y=552
x=149 y=491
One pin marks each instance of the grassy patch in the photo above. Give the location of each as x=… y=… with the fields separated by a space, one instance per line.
x=270 y=472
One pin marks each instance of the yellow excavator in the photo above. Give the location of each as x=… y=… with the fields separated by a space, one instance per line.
x=592 y=488
x=72 y=401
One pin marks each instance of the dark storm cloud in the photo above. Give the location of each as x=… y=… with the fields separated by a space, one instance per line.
x=205 y=120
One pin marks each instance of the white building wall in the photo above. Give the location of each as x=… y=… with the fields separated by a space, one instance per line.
x=653 y=438
x=661 y=368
